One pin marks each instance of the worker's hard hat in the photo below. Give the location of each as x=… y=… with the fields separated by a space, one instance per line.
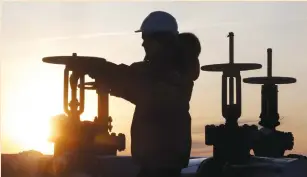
x=159 y=21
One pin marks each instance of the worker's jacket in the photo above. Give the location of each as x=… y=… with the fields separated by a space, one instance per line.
x=161 y=126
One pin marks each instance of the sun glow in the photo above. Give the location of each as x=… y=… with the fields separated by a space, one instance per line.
x=29 y=124
x=31 y=101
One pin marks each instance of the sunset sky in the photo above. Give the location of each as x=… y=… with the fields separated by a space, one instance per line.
x=31 y=91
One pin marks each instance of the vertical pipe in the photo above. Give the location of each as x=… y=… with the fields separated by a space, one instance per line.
x=269 y=51
x=231 y=61
x=231 y=47
x=224 y=96
x=73 y=86
x=238 y=96
x=65 y=94
x=103 y=106
x=82 y=95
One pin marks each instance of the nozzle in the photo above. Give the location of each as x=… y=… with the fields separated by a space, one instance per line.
x=230 y=34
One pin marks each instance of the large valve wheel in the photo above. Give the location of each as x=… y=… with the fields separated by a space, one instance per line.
x=269 y=80
x=72 y=60
x=231 y=67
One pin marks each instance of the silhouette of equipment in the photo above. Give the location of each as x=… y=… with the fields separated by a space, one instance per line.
x=231 y=142
x=83 y=137
x=103 y=117
x=275 y=143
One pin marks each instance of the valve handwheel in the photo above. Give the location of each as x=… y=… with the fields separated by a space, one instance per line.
x=269 y=79
x=67 y=60
x=231 y=67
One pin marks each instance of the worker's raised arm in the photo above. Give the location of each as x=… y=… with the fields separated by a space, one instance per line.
x=139 y=87
x=122 y=80
x=135 y=84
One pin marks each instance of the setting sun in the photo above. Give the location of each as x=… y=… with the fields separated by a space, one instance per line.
x=37 y=96
x=29 y=123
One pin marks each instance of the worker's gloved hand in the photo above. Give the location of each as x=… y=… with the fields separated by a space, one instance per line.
x=103 y=70
x=94 y=74
x=87 y=65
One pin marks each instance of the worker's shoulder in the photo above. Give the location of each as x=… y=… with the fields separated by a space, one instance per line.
x=139 y=67
x=138 y=64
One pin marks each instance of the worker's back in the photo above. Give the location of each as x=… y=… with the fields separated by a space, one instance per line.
x=161 y=126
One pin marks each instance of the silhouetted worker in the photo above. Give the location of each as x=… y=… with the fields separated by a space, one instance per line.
x=160 y=87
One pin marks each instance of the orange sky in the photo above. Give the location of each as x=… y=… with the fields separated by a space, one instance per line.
x=31 y=91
